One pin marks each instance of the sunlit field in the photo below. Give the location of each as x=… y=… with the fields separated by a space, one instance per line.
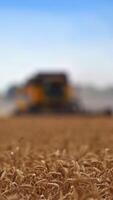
x=56 y=158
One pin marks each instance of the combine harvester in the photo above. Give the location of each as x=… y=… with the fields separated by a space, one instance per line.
x=51 y=93
x=47 y=93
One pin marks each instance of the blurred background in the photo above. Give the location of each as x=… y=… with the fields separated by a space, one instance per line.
x=54 y=37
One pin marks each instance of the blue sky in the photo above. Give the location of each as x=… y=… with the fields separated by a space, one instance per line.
x=71 y=35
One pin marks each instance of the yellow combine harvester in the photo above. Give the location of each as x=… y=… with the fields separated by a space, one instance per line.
x=47 y=92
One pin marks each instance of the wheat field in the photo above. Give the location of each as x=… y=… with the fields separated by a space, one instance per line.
x=56 y=158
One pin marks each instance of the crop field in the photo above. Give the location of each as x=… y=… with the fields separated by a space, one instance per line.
x=56 y=158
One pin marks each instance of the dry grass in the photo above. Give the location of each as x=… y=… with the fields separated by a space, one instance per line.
x=64 y=158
